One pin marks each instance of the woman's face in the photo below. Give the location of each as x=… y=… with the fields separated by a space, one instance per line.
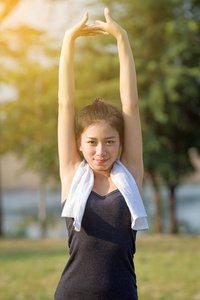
x=100 y=145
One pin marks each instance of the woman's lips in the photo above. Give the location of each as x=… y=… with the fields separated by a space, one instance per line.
x=101 y=161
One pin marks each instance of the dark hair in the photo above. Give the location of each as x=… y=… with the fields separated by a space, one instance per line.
x=97 y=111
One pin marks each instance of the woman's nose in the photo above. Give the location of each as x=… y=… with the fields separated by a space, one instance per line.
x=100 y=150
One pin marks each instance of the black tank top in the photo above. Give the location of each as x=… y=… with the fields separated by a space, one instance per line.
x=100 y=266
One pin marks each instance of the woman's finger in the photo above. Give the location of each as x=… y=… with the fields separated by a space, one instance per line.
x=85 y=19
x=99 y=22
x=98 y=32
x=90 y=25
x=94 y=31
x=93 y=27
x=107 y=15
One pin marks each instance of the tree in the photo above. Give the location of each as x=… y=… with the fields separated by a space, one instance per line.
x=36 y=82
x=30 y=122
x=177 y=89
x=8 y=7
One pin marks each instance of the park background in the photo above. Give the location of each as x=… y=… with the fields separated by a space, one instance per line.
x=165 y=38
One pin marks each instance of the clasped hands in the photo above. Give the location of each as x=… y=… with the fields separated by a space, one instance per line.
x=110 y=27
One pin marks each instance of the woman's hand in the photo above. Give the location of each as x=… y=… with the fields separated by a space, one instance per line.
x=83 y=29
x=110 y=27
x=77 y=30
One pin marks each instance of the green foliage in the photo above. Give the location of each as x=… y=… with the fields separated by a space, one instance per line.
x=95 y=71
x=30 y=123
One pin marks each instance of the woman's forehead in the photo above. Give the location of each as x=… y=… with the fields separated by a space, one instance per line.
x=101 y=128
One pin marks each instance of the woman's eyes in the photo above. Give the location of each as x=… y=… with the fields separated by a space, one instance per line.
x=94 y=143
x=109 y=142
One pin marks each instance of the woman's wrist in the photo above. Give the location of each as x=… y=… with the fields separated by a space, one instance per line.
x=122 y=35
x=69 y=36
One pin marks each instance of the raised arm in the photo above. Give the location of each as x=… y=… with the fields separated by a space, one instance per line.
x=132 y=150
x=68 y=153
x=69 y=157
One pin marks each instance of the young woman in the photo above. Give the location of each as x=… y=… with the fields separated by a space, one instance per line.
x=103 y=209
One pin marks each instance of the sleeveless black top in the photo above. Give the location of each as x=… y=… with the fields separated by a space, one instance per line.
x=100 y=266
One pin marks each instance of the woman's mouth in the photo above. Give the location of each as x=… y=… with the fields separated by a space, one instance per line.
x=101 y=161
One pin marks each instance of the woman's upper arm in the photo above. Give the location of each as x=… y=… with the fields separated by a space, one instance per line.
x=67 y=147
x=132 y=154
x=132 y=149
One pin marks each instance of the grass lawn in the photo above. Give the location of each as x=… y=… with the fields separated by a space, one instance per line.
x=167 y=268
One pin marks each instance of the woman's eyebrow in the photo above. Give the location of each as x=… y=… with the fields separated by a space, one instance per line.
x=111 y=137
x=107 y=138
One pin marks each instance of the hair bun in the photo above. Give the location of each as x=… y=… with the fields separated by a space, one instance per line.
x=98 y=100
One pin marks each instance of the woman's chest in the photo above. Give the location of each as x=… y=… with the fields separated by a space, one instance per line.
x=107 y=212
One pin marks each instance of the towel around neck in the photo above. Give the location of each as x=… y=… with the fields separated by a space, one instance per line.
x=81 y=188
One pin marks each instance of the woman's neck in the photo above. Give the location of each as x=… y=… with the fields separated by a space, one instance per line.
x=103 y=183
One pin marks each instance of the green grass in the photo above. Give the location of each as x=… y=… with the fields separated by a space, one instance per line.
x=167 y=268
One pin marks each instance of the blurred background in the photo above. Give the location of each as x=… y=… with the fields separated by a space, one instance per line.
x=165 y=39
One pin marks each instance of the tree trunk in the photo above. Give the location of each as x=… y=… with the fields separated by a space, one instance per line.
x=1 y=216
x=42 y=205
x=172 y=207
x=42 y=191
x=157 y=201
x=1 y=209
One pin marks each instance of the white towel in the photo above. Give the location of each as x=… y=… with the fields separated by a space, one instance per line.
x=81 y=188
